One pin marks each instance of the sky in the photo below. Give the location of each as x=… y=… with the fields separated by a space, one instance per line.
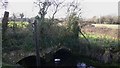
x=90 y=8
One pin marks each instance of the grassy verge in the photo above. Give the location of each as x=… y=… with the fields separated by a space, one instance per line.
x=101 y=40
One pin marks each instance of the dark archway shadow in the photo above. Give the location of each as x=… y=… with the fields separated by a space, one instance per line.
x=30 y=62
x=62 y=58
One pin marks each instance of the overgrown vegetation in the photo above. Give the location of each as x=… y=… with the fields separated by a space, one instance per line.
x=20 y=36
x=100 y=40
x=55 y=35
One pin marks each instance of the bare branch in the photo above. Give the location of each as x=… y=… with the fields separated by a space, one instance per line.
x=57 y=7
x=74 y=7
x=4 y=4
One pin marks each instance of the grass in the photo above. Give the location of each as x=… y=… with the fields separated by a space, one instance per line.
x=18 y=24
x=6 y=65
x=101 y=40
x=104 y=41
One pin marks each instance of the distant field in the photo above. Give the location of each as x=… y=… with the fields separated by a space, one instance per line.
x=103 y=29
x=18 y=24
x=113 y=26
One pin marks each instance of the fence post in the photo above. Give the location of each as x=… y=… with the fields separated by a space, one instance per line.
x=5 y=23
x=36 y=38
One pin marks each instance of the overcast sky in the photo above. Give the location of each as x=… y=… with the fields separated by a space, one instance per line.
x=90 y=8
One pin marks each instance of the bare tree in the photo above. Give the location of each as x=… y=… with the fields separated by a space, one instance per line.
x=4 y=4
x=21 y=16
x=74 y=7
x=14 y=24
x=43 y=7
x=57 y=5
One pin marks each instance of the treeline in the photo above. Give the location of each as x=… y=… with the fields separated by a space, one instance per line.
x=104 y=20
